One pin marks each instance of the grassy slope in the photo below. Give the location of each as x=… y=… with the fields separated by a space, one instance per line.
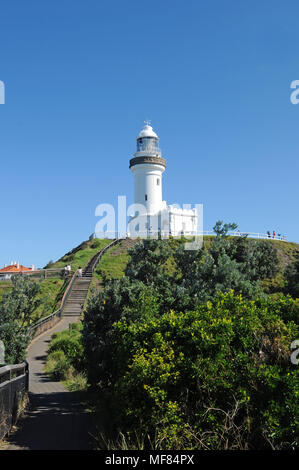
x=80 y=255
x=52 y=290
x=113 y=262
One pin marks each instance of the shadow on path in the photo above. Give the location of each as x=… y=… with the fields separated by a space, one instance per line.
x=55 y=421
x=56 y=418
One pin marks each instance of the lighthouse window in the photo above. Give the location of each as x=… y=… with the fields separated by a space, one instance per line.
x=158 y=182
x=145 y=197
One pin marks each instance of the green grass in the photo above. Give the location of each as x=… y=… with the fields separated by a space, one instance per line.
x=80 y=255
x=52 y=289
x=113 y=263
x=51 y=293
x=4 y=287
x=60 y=363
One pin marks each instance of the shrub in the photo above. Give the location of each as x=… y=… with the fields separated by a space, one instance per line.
x=17 y=308
x=70 y=344
x=57 y=365
x=218 y=377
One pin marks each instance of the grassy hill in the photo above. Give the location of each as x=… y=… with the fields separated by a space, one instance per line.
x=113 y=264
x=80 y=255
x=52 y=290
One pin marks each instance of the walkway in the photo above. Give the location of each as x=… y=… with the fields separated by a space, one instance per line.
x=56 y=419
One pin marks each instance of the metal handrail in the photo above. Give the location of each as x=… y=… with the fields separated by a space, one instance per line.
x=44 y=273
x=166 y=233
x=14 y=385
x=57 y=313
x=95 y=260
x=10 y=370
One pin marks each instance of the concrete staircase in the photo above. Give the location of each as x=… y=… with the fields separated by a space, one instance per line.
x=77 y=296
x=79 y=290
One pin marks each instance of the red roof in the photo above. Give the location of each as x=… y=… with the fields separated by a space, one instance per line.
x=15 y=269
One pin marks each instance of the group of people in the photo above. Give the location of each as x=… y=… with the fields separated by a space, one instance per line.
x=275 y=235
x=67 y=271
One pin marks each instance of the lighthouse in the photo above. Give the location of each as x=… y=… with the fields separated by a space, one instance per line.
x=151 y=215
x=147 y=167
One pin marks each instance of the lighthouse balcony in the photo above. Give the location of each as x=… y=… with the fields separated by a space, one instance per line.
x=155 y=152
x=145 y=158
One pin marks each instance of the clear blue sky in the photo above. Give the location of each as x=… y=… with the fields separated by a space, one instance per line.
x=81 y=76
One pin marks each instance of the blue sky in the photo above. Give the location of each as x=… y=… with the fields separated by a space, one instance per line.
x=81 y=77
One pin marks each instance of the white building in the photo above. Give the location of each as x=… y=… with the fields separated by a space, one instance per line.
x=152 y=215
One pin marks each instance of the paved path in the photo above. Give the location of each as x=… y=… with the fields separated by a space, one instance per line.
x=56 y=419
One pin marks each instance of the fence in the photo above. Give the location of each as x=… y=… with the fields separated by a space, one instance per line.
x=95 y=260
x=167 y=234
x=39 y=274
x=48 y=322
x=14 y=379
x=14 y=384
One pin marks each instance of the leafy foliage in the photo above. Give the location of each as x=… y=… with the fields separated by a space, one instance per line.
x=199 y=354
x=292 y=278
x=182 y=375
x=65 y=360
x=17 y=309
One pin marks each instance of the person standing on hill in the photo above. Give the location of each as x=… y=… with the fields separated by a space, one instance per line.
x=79 y=271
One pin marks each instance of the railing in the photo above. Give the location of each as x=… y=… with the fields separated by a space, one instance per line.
x=148 y=152
x=167 y=234
x=48 y=322
x=38 y=274
x=14 y=379
x=263 y=236
x=14 y=384
x=95 y=260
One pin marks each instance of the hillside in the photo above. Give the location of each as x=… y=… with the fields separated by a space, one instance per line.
x=113 y=262
x=80 y=255
x=52 y=290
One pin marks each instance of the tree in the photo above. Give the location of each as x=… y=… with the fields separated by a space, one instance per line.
x=217 y=377
x=16 y=315
x=229 y=263
x=292 y=278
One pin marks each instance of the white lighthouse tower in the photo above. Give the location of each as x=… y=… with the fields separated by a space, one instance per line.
x=152 y=216
x=147 y=167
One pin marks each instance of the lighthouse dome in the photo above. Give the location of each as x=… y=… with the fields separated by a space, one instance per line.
x=147 y=131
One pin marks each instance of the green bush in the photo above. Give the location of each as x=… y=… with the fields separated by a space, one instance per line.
x=65 y=358
x=57 y=365
x=195 y=349
x=218 y=377
x=69 y=343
